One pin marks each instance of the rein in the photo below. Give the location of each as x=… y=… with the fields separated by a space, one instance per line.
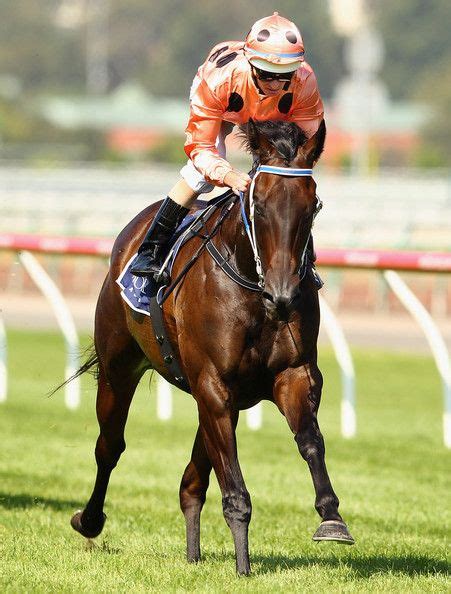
x=250 y=228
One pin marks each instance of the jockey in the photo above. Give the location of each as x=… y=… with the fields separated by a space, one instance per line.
x=264 y=78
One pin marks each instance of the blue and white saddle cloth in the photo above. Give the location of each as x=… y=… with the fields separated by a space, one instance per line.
x=137 y=291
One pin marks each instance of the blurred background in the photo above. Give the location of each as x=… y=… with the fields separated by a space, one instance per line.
x=93 y=106
x=94 y=101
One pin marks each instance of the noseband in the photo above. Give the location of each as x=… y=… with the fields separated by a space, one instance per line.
x=250 y=229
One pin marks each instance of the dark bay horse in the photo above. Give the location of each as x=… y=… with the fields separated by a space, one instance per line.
x=236 y=347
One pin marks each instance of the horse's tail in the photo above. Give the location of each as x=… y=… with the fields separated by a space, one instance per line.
x=91 y=365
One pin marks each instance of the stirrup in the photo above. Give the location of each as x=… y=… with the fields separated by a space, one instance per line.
x=151 y=267
x=162 y=278
x=145 y=265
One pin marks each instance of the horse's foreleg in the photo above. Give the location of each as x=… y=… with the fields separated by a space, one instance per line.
x=193 y=490
x=297 y=393
x=218 y=421
x=114 y=395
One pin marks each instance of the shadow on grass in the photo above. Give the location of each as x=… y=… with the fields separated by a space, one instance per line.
x=364 y=567
x=24 y=501
x=102 y=547
x=409 y=565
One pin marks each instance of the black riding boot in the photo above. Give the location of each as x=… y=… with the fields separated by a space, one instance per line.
x=311 y=259
x=153 y=249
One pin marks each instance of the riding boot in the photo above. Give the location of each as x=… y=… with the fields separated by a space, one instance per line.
x=311 y=259
x=153 y=249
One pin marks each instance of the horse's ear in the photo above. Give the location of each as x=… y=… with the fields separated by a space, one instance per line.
x=312 y=149
x=257 y=143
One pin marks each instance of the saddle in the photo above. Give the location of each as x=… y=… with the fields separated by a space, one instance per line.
x=138 y=291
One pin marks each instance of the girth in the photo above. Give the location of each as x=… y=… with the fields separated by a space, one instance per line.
x=167 y=352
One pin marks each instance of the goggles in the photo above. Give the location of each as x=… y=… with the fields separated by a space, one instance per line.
x=270 y=76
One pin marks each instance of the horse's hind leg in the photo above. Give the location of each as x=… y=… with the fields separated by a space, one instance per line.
x=193 y=490
x=297 y=393
x=117 y=382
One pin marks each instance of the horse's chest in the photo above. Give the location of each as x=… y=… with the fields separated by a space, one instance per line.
x=277 y=348
x=286 y=350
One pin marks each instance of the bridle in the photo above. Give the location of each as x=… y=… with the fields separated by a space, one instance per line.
x=250 y=229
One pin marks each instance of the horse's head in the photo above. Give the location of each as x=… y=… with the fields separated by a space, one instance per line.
x=284 y=206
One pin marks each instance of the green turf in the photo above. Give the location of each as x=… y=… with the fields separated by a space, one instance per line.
x=392 y=482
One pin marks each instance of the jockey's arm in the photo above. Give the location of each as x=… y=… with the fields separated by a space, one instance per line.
x=309 y=109
x=204 y=125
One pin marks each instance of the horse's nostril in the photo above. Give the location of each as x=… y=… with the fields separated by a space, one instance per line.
x=268 y=296
x=282 y=303
x=282 y=308
x=295 y=298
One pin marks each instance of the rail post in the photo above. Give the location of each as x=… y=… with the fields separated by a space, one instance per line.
x=65 y=322
x=385 y=260
x=434 y=338
x=344 y=358
x=164 y=399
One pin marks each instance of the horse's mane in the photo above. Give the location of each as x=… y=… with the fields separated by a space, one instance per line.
x=285 y=137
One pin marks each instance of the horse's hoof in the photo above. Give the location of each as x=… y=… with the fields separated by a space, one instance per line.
x=88 y=532
x=334 y=530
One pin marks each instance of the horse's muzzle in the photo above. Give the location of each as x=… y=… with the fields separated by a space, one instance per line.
x=280 y=305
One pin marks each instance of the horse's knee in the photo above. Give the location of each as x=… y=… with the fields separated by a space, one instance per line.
x=314 y=398
x=237 y=507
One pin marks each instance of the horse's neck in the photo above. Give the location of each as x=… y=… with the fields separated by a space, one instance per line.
x=237 y=243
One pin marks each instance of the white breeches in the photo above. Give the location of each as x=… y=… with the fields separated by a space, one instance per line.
x=196 y=180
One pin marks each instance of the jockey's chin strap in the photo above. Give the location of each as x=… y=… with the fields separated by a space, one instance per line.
x=250 y=229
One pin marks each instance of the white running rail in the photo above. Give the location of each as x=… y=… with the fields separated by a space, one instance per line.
x=344 y=359
x=65 y=322
x=434 y=338
x=254 y=417
x=388 y=261
x=164 y=399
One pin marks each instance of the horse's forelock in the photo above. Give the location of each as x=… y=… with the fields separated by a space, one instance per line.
x=285 y=137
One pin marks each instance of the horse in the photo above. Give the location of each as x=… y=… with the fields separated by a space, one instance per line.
x=235 y=346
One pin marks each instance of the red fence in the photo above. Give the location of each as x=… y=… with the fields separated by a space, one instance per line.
x=336 y=258
x=388 y=261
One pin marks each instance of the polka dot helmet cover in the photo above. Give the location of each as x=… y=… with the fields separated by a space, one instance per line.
x=274 y=44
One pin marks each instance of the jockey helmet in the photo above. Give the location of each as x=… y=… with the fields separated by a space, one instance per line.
x=274 y=44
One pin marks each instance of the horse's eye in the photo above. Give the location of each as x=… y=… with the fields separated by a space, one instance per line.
x=259 y=210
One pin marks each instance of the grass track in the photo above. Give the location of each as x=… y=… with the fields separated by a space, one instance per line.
x=392 y=482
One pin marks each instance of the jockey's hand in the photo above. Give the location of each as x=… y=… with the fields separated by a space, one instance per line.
x=237 y=180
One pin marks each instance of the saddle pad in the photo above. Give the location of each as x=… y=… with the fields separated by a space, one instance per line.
x=137 y=291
